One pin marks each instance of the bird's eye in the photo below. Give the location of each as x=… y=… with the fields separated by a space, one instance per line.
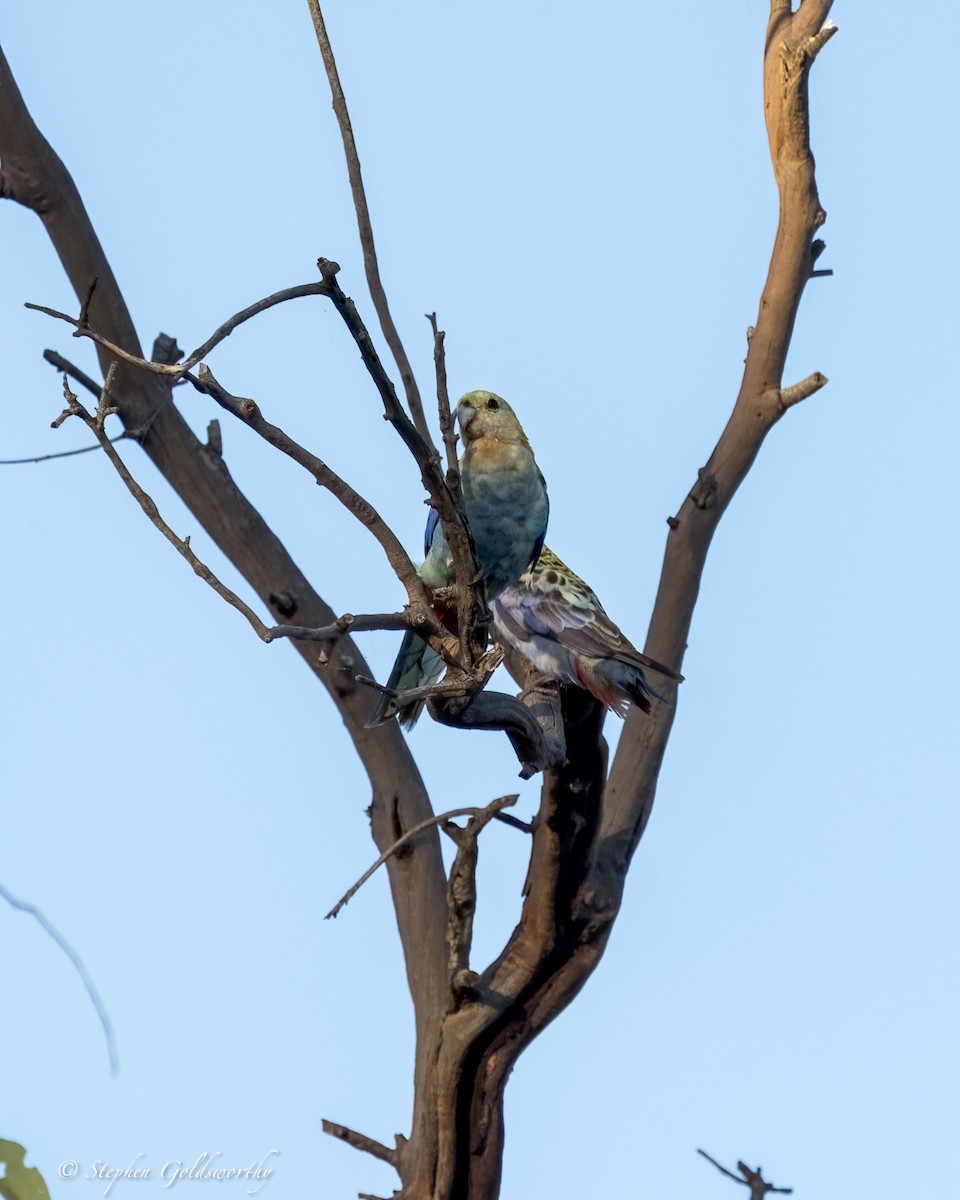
x=492 y=404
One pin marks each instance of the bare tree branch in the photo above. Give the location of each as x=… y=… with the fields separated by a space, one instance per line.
x=82 y=328
x=473 y=708
x=65 y=367
x=470 y=608
x=360 y=1141
x=348 y=623
x=181 y=545
x=588 y=827
x=447 y=431
x=33 y=175
x=722 y=1170
x=749 y=1178
x=249 y=413
x=448 y=502
x=79 y=966
x=802 y=390
x=492 y=809
x=462 y=890
x=469 y=601
x=39 y=458
x=760 y=404
x=365 y=226
x=471 y=1027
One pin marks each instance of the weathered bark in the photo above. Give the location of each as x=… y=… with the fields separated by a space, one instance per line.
x=588 y=829
x=472 y=1026
x=33 y=175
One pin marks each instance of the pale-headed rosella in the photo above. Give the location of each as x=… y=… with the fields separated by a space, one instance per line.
x=505 y=497
x=555 y=620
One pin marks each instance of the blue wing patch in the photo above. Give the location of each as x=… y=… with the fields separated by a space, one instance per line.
x=538 y=545
x=433 y=518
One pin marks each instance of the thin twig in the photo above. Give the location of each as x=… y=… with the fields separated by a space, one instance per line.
x=182 y=546
x=723 y=1170
x=446 y=645
x=365 y=226
x=462 y=887
x=347 y=624
x=65 y=366
x=14 y=462
x=514 y=822
x=466 y=599
x=420 y=447
x=360 y=1141
x=176 y=370
x=471 y=607
x=248 y=411
x=447 y=431
x=759 y=1188
x=461 y=685
x=797 y=392
x=61 y=941
x=452 y=517
x=340 y=628
x=85 y=307
x=401 y=842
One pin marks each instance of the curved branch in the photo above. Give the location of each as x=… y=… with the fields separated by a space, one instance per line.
x=488 y=813
x=78 y=965
x=497 y=710
x=760 y=404
x=174 y=371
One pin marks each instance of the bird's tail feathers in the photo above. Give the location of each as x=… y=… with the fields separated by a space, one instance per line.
x=652 y=665
x=417 y=665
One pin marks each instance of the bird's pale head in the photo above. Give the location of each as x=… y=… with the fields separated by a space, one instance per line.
x=487 y=415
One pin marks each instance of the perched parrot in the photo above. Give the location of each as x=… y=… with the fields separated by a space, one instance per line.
x=505 y=497
x=555 y=620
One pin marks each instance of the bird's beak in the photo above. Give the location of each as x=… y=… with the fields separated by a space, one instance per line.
x=465 y=414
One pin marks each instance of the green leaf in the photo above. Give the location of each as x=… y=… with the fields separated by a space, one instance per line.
x=19 y=1182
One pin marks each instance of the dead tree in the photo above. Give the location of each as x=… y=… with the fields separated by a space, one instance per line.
x=472 y=1020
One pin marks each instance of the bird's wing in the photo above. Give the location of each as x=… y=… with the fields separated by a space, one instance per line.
x=565 y=609
x=538 y=545
x=433 y=518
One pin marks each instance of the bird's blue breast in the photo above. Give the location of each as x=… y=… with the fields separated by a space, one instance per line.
x=507 y=509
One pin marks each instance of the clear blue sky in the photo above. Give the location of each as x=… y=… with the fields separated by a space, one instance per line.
x=584 y=196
